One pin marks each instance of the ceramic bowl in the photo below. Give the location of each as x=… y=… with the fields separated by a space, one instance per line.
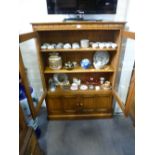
x=59 y=45
x=75 y=45
x=67 y=46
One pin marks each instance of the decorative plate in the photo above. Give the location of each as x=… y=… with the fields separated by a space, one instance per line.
x=60 y=79
x=100 y=59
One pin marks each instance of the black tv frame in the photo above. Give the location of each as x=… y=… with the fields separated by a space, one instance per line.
x=86 y=12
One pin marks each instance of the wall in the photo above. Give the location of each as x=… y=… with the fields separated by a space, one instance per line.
x=36 y=11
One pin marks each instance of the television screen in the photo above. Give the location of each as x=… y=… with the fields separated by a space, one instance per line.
x=87 y=6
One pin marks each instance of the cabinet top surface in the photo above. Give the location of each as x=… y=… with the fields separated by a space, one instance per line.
x=80 y=22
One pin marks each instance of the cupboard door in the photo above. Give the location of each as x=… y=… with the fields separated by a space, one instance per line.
x=124 y=71
x=103 y=103
x=70 y=104
x=54 y=105
x=87 y=104
x=31 y=71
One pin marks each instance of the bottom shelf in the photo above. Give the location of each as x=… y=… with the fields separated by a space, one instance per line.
x=63 y=92
x=80 y=116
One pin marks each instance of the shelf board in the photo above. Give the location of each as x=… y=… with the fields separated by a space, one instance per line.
x=107 y=68
x=61 y=91
x=78 y=50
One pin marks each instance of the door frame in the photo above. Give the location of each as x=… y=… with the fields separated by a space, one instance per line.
x=23 y=38
x=125 y=106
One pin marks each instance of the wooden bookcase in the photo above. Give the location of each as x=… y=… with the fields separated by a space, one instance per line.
x=68 y=104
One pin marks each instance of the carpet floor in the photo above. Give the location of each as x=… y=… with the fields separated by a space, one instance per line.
x=114 y=136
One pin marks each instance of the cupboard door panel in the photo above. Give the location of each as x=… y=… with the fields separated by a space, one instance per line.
x=88 y=104
x=54 y=105
x=70 y=104
x=124 y=70
x=31 y=72
x=103 y=103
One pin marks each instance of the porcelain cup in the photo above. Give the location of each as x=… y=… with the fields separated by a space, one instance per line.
x=84 y=43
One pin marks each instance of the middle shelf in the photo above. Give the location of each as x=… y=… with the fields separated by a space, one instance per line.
x=79 y=69
x=60 y=91
x=78 y=50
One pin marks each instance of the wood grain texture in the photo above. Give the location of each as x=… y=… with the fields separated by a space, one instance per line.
x=77 y=26
x=79 y=70
x=130 y=35
x=40 y=62
x=40 y=103
x=131 y=97
x=60 y=91
x=22 y=122
x=79 y=103
x=30 y=145
x=80 y=116
x=78 y=50
x=119 y=101
x=27 y=36
x=78 y=22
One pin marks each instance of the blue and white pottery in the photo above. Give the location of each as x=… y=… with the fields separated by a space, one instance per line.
x=85 y=63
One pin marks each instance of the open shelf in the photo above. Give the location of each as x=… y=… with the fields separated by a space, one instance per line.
x=61 y=91
x=78 y=50
x=108 y=68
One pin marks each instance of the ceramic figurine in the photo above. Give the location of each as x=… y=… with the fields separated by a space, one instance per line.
x=69 y=65
x=74 y=86
x=85 y=63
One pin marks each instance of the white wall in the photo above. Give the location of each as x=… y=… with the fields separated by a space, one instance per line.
x=36 y=11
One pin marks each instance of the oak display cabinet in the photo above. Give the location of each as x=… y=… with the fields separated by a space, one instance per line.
x=79 y=104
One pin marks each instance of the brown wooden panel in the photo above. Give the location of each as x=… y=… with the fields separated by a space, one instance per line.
x=80 y=22
x=54 y=105
x=115 y=26
x=38 y=151
x=103 y=103
x=130 y=35
x=60 y=92
x=130 y=102
x=22 y=122
x=119 y=101
x=78 y=50
x=78 y=26
x=67 y=36
x=88 y=104
x=40 y=62
x=40 y=103
x=80 y=116
x=27 y=36
x=23 y=149
x=31 y=145
x=70 y=104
